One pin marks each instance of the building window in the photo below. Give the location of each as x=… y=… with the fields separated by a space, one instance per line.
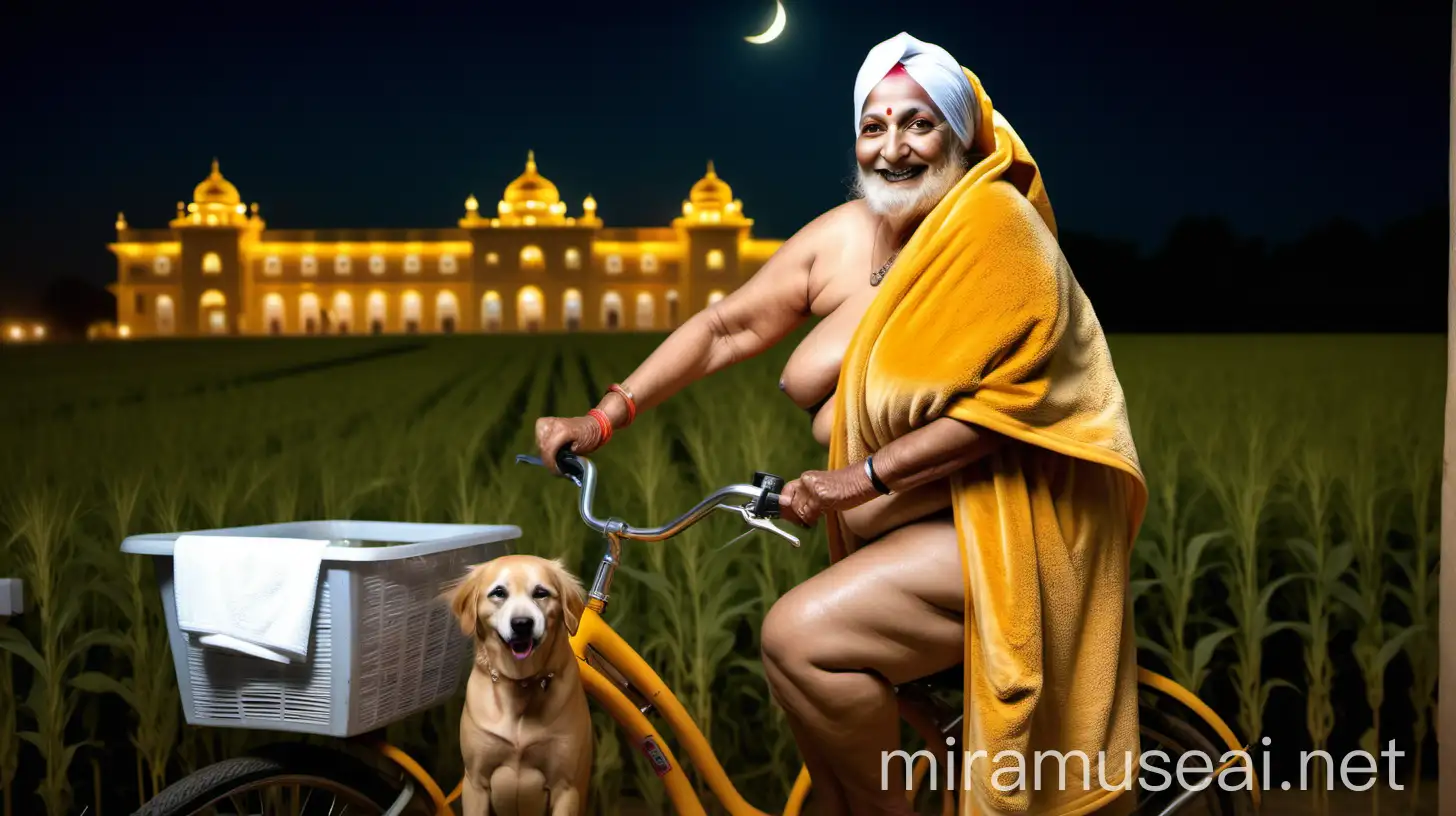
x=447 y=264
x=571 y=309
x=343 y=311
x=211 y=264
x=410 y=311
x=213 y=306
x=614 y=264
x=649 y=262
x=412 y=264
x=672 y=309
x=573 y=258
x=612 y=310
x=309 y=266
x=273 y=313
x=164 y=315
x=715 y=259
x=376 y=264
x=714 y=296
x=492 y=259
x=140 y=306
x=308 y=312
x=272 y=266
x=646 y=311
x=162 y=265
x=377 y=312
x=531 y=257
x=341 y=265
x=490 y=312
x=530 y=311
x=447 y=311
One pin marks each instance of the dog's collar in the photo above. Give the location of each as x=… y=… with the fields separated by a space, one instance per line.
x=526 y=682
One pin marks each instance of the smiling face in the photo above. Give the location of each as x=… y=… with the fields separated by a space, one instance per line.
x=908 y=155
x=516 y=607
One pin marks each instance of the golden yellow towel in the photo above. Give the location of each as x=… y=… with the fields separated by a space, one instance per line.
x=981 y=319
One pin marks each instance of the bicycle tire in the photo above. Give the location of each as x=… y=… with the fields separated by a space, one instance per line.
x=344 y=773
x=1176 y=730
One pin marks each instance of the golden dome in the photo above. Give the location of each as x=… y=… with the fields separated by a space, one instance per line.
x=531 y=188
x=216 y=190
x=710 y=192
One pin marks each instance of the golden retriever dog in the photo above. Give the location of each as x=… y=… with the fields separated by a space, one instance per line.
x=525 y=732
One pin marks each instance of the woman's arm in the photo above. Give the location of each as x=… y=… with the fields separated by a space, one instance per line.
x=930 y=452
x=745 y=323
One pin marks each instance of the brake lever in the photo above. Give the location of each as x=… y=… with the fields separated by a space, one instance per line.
x=762 y=524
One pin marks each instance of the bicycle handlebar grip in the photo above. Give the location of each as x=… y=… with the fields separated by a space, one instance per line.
x=568 y=464
x=767 y=503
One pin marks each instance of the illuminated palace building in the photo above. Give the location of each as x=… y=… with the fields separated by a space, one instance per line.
x=218 y=270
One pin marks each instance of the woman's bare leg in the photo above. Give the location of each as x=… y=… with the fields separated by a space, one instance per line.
x=834 y=647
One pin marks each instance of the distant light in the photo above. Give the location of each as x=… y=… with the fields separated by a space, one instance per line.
x=124 y=330
x=16 y=333
x=38 y=332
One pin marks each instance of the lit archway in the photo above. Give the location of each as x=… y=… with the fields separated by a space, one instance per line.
x=715 y=296
x=447 y=311
x=490 y=311
x=611 y=311
x=530 y=309
x=409 y=310
x=673 y=309
x=343 y=311
x=308 y=312
x=531 y=257
x=378 y=312
x=212 y=310
x=273 y=312
x=166 y=315
x=646 y=310
x=211 y=264
x=571 y=309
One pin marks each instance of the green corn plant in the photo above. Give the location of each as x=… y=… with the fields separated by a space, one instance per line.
x=9 y=727
x=1324 y=565
x=606 y=784
x=45 y=518
x=1241 y=474
x=1175 y=561
x=1377 y=641
x=150 y=690
x=1420 y=596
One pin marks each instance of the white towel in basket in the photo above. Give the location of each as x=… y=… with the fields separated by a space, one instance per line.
x=247 y=594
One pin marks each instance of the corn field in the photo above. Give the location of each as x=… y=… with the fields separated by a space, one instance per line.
x=1287 y=570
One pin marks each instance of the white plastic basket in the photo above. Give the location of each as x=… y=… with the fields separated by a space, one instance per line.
x=383 y=646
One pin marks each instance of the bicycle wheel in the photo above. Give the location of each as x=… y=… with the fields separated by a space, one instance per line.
x=296 y=779
x=1176 y=736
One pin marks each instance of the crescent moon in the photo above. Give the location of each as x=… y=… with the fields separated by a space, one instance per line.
x=774 y=29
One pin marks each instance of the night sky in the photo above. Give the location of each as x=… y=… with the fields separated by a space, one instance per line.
x=1276 y=116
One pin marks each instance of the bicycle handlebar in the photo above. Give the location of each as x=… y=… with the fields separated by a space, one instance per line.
x=763 y=502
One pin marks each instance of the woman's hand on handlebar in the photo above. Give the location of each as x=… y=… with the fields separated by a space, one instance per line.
x=580 y=434
x=817 y=492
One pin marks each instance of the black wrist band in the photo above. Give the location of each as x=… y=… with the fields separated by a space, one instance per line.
x=875 y=480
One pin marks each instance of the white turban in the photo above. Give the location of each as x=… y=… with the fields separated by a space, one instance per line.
x=934 y=69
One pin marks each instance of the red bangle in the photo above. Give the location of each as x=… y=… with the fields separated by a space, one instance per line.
x=626 y=395
x=603 y=422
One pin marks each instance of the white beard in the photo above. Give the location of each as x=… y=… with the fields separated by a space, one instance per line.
x=914 y=200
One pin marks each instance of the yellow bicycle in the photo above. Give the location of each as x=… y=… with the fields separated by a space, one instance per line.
x=366 y=774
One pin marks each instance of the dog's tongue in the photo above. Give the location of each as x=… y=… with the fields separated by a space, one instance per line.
x=521 y=648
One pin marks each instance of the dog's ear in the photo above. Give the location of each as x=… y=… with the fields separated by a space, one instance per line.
x=571 y=593
x=465 y=601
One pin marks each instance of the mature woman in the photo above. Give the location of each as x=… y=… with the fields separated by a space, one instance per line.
x=951 y=377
